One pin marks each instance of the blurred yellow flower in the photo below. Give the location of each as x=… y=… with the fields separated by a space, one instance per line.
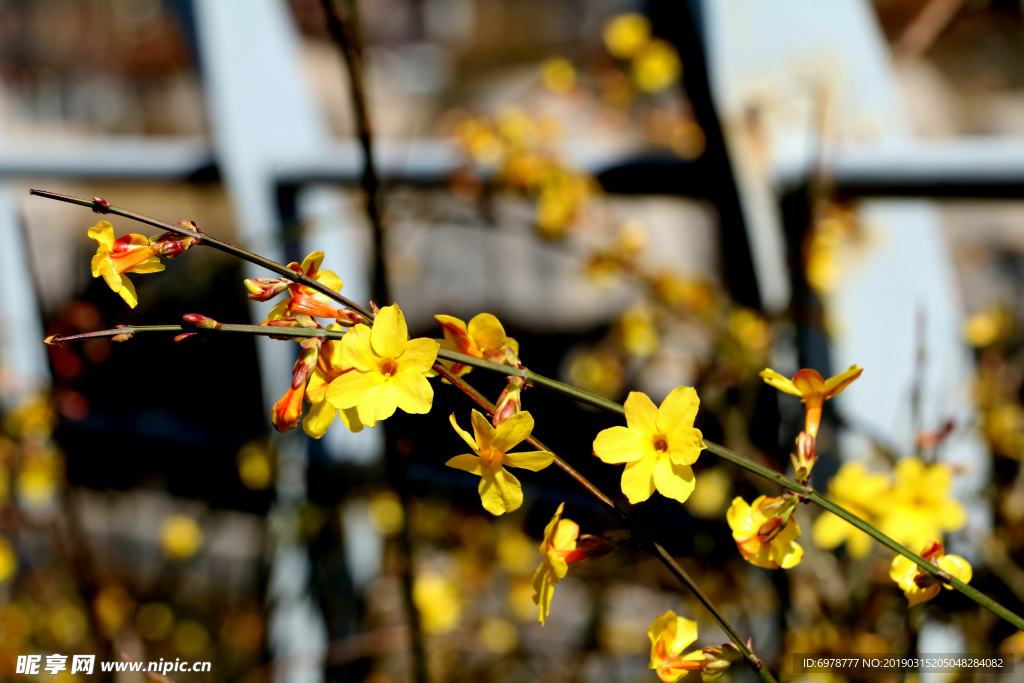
x=813 y=390
x=919 y=586
x=154 y=621
x=670 y=635
x=127 y=254
x=112 y=606
x=1004 y=428
x=499 y=636
x=330 y=365
x=859 y=492
x=8 y=560
x=67 y=623
x=484 y=337
x=750 y=329
x=388 y=369
x=255 y=468
x=561 y=195
x=191 y=638
x=515 y=550
x=558 y=74
x=597 y=371
x=438 y=602
x=918 y=508
x=558 y=550
x=38 y=480
x=180 y=537
x=626 y=34
x=658 y=445
x=639 y=334
x=386 y=512
x=763 y=544
x=656 y=66
x=711 y=494
x=500 y=492
x=985 y=328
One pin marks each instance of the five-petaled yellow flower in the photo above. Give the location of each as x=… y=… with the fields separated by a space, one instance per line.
x=500 y=492
x=918 y=508
x=862 y=494
x=126 y=254
x=771 y=547
x=670 y=635
x=920 y=586
x=389 y=369
x=558 y=550
x=330 y=365
x=484 y=337
x=814 y=390
x=658 y=445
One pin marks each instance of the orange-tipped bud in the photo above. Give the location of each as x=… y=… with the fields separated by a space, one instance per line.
x=265 y=289
x=200 y=321
x=805 y=457
x=171 y=244
x=288 y=410
x=510 y=402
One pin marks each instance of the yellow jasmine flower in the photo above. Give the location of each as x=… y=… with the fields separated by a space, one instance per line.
x=127 y=254
x=8 y=560
x=389 y=369
x=761 y=539
x=921 y=586
x=814 y=390
x=558 y=74
x=638 y=331
x=180 y=537
x=862 y=494
x=656 y=66
x=500 y=492
x=658 y=445
x=484 y=337
x=330 y=364
x=626 y=34
x=918 y=508
x=438 y=602
x=670 y=635
x=302 y=300
x=558 y=550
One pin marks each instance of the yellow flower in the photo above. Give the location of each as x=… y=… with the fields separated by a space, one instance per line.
x=330 y=364
x=500 y=492
x=656 y=66
x=484 y=337
x=127 y=254
x=670 y=635
x=985 y=328
x=918 y=508
x=862 y=494
x=626 y=34
x=302 y=300
x=180 y=537
x=558 y=549
x=921 y=586
x=638 y=331
x=388 y=369
x=438 y=602
x=770 y=548
x=558 y=74
x=814 y=390
x=658 y=445
x=8 y=560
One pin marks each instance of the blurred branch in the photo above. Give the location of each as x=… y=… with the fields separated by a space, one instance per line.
x=929 y=23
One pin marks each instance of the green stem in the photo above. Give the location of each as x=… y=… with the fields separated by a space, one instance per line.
x=101 y=206
x=586 y=397
x=645 y=536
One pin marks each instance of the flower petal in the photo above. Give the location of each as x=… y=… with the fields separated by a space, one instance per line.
x=456 y=334
x=350 y=417
x=330 y=279
x=390 y=333
x=464 y=434
x=617 y=445
x=311 y=264
x=678 y=409
x=420 y=354
x=351 y=388
x=415 y=395
x=638 y=479
x=319 y=418
x=357 y=351
x=565 y=535
x=500 y=492
x=830 y=531
x=686 y=633
x=543 y=590
x=534 y=461
x=774 y=379
x=641 y=413
x=674 y=481
x=316 y=387
x=380 y=403
x=835 y=385
x=512 y=432
x=482 y=430
x=957 y=566
x=467 y=463
x=486 y=331
x=127 y=291
x=685 y=445
x=808 y=382
x=102 y=233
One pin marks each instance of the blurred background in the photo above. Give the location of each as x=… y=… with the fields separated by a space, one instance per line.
x=647 y=194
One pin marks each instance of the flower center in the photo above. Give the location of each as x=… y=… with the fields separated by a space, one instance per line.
x=389 y=367
x=491 y=458
x=660 y=443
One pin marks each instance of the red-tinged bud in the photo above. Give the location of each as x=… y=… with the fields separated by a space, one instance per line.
x=189 y=339
x=53 y=340
x=374 y=308
x=306 y=362
x=718 y=659
x=200 y=321
x=781 y=510
x=124 y=336
x=347 y=318
x=188 y=225
x=599 y=546
x=265 y=289
x=805 y=457
x=510 y=402
x=770 y=529
x=288 y=410
x=100 y=205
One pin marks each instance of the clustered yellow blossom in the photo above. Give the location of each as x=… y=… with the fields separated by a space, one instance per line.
x=670 y=635
x=654 y=62
x=500 y=492
x=766 y=532
x=919 y=585
x=658 y=445
x=558 y=550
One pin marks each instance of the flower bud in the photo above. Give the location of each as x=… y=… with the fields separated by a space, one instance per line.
x=718 y=659
x=510 y=402
x=598 y=546
x=265 y=289
x=124 y=336
x=200 y=321
x=189 y=339
x=804 y=458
